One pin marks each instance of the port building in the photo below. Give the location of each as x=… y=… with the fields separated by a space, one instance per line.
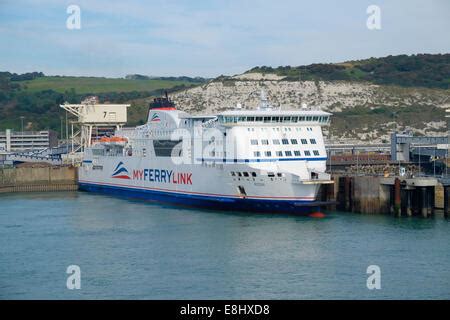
x=18 y=141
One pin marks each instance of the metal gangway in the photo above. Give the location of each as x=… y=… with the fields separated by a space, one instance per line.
x=19 y=157
x=48 y=155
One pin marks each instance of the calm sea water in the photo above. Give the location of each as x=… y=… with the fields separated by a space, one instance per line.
x=136 y=250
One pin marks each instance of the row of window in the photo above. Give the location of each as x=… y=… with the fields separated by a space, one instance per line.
x=278 y=129
x=242 y=174
x=253 y=174
x=265 y=142
x=291 y=119
x=296 y=153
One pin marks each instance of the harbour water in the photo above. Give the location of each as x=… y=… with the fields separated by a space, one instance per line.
x=138 y=250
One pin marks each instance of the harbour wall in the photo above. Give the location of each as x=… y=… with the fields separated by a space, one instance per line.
x=31 y=179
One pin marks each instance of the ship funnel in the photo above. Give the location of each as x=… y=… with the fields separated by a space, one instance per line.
x=162 y=103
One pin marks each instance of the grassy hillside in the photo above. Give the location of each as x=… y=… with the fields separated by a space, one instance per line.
x=37 y=97
x=421 y=70
x=94 y=85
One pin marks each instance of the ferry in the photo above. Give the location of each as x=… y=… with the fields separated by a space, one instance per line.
x=266 y=159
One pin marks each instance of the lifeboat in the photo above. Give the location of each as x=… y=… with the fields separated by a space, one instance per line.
x=113 y=139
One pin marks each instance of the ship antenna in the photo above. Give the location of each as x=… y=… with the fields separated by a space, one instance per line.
x=264 y=105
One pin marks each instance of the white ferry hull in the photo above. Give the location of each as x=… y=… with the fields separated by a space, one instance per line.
x=197 y=186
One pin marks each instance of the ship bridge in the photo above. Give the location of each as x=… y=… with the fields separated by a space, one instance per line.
x=270 y=118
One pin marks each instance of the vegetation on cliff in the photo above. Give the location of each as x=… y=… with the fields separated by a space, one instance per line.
x=421 y=70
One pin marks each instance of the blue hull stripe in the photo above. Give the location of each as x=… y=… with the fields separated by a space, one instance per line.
x=207 y=202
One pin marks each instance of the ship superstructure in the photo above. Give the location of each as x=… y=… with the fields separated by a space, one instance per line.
x=268 y=159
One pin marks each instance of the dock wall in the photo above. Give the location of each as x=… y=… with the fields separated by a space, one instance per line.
x=380 y=195
x=364 y=194
x=29 y=179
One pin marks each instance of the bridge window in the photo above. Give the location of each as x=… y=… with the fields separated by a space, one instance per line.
x=258 y=119
x=163 y=148
x=253 y=174
x=246 y=174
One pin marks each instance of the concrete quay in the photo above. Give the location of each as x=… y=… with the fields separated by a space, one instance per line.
x=40 y=178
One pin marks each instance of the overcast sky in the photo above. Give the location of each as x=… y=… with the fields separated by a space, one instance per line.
x=209 y=38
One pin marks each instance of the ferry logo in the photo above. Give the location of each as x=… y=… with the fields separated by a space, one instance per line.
x=155 y=118
x=120 y=172
x=163 y=175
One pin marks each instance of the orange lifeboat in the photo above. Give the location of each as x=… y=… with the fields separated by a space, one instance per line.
x=113 y=139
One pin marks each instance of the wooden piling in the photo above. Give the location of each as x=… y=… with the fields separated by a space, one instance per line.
x=446 y=200
x=424 y=202
x=391 y=200
x=430 y=193
x=409 y=194
x=397 y=197
x=347 y=187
